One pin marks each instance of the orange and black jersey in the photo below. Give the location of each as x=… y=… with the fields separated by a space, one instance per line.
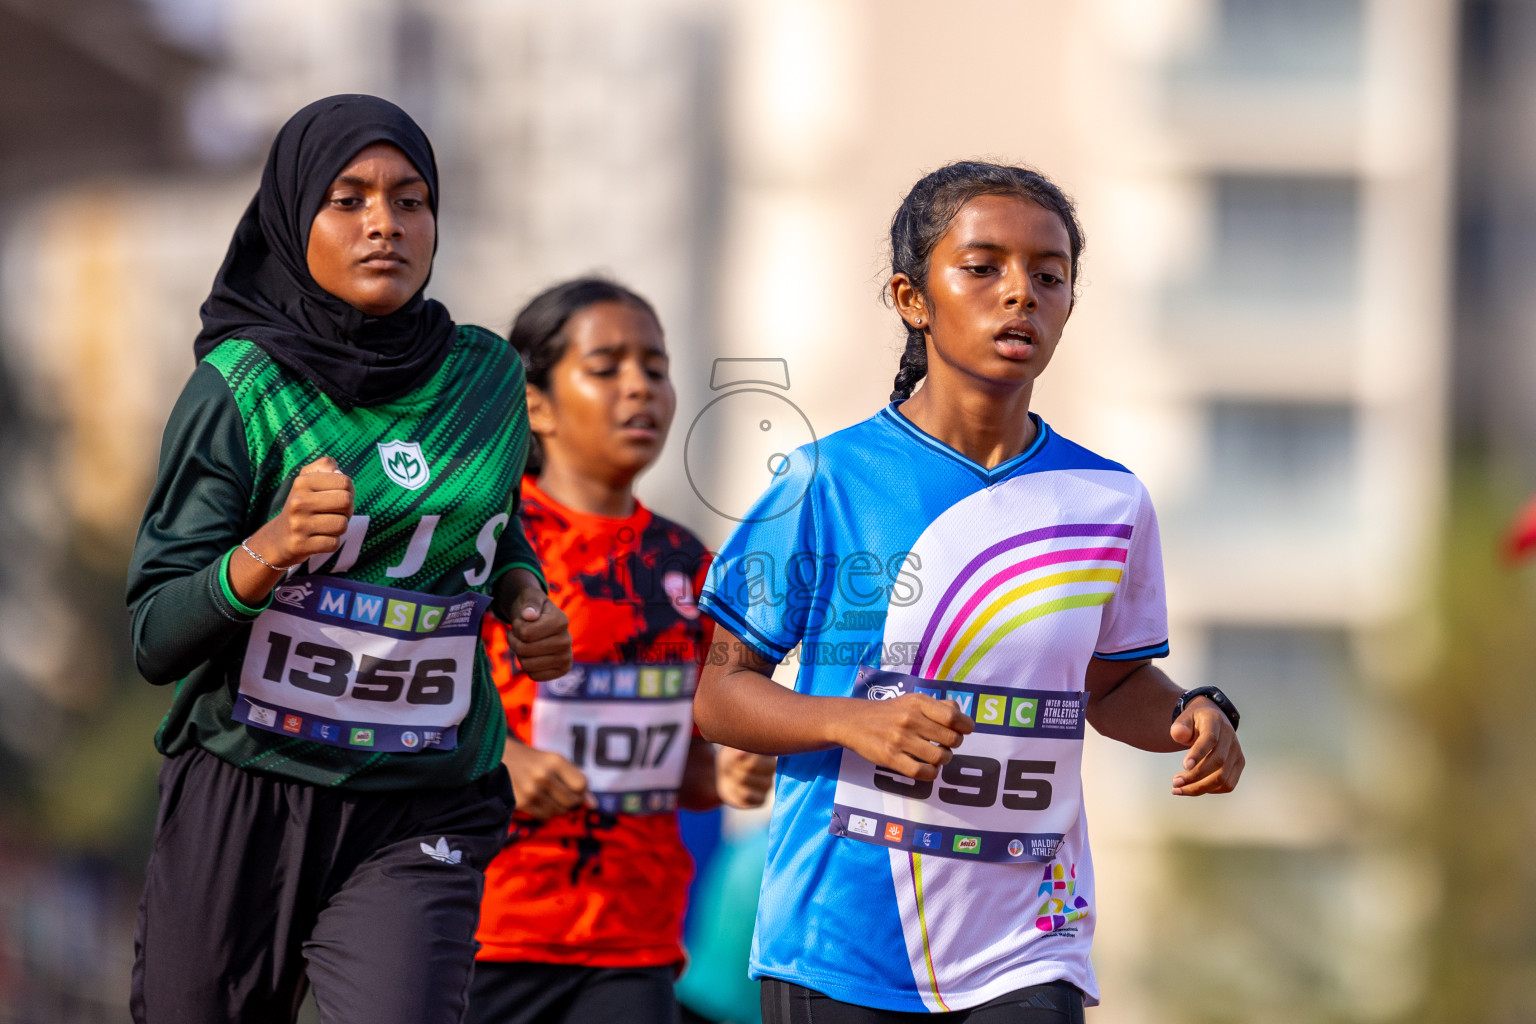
x=592 y=887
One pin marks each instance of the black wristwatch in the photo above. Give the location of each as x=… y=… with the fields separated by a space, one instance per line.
x=1220 y=699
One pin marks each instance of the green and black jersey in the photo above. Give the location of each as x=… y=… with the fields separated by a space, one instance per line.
x=436 y=474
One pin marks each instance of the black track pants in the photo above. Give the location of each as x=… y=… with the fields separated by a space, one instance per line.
x=257 y=883
x=530 y=993
x=1055 y=1003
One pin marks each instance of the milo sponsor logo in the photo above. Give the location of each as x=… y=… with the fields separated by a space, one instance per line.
x=967 y=844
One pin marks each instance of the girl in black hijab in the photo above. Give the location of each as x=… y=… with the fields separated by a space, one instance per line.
x=335 y=511
x=265 y=294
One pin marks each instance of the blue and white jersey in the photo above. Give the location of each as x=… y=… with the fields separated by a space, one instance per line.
x=897 y=564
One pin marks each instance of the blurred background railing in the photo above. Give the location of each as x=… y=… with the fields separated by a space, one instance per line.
x=1307 y=316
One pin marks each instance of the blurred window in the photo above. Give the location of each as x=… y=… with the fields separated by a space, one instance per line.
x=1291 y=239
x=1293 y=687
x=1288 y=37
x=1480 y=31
x=1282 y=462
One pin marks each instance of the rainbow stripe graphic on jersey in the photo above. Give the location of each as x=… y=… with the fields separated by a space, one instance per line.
x=1038 y=573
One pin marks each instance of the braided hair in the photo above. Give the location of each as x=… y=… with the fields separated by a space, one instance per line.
x=925 y=214
x=538 y=333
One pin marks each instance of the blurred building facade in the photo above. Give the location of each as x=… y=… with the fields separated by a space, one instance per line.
x=1262 y=334
x=1299 y=344
x=1496 y=235
x=88 y=88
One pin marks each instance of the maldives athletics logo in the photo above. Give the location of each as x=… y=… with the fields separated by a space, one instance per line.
x=404 y=463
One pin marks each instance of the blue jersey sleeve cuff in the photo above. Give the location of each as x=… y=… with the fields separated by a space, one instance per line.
x=1135 y=654
x=748 y=634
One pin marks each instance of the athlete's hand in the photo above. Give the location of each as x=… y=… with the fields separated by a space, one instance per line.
x=313 y=518
x=544 y=783
x=742 y=779
x=1215 y=759
x=912 y=734
x=540 y=635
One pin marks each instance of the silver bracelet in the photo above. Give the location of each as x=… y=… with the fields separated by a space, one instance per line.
x=275 y=568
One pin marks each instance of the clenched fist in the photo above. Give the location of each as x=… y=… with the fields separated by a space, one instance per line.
x=313 y=518
x=539 y=633
x=312 y=522
x=544 y=783
x=743 y=779
x=913 y=734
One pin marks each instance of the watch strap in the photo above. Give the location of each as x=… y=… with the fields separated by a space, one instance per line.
x=1215 y=696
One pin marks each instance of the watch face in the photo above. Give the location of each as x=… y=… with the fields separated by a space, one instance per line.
x=743 y=442
x=1216 y=697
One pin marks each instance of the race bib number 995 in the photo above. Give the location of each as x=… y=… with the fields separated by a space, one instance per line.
x=360 y=666
x=1010 y=793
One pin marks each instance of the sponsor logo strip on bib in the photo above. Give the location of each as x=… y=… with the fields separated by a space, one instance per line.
x=389 y=739
x=1009 y=794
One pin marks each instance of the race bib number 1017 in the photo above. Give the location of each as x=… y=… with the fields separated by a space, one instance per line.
x=628 y=727
x=1010 y=793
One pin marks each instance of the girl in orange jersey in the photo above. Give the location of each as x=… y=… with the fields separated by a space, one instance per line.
x=582 y=916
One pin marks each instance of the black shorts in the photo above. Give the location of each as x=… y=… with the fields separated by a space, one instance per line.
x=533 y=993
x=1055 y=1003
x=260 y=887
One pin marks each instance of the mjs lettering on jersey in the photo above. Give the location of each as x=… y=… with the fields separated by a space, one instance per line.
x=416 y=551
x=1010 y=796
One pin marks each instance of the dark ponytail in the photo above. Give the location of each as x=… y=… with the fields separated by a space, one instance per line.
x=914 y=365
x=925 y=215
x=538 y=332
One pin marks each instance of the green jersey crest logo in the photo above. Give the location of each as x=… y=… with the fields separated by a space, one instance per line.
x=404 y=463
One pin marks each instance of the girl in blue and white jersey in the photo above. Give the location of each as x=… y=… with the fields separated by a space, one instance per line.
x=969 y=589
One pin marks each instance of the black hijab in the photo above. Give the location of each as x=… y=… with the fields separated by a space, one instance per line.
x=264 y=292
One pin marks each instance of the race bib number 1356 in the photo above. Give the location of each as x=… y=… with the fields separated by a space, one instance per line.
x=360 y=666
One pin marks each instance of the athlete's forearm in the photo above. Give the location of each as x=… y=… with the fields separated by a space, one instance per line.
x=742 y=708
x=184 y=611
x=698 y=791
x=252 y=580
x=514 y=550
x=1137 y=709
x=184 y=623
